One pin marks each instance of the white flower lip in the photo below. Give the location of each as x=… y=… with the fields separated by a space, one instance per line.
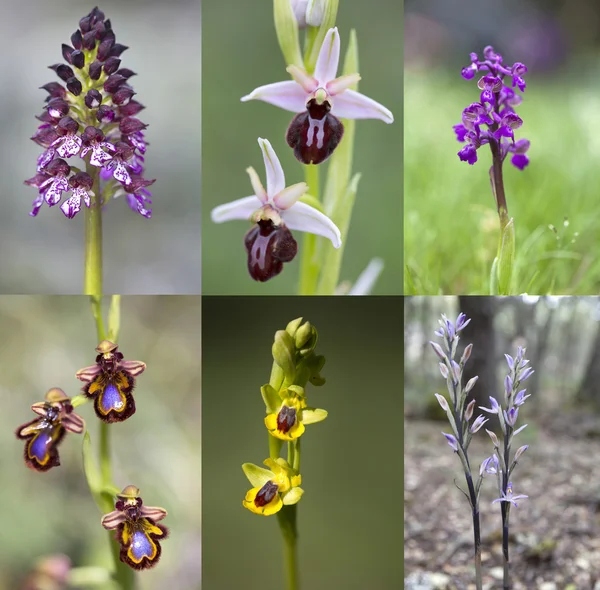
x=293 y=95
x=280 y=199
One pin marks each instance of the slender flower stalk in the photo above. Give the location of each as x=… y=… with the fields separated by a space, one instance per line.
x=503 y=460
x=460 y=416
x=277 y=490
x=493 y=121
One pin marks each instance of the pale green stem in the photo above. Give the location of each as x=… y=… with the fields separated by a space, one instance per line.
x=123 y=575
x=309 y=264
x=92 y=281
x=287 y=523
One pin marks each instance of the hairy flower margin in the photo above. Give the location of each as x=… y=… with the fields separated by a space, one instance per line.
x=91 y=114
x=493 y=119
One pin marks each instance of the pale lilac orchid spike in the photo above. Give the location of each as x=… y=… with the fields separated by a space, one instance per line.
x=294 y=95
x=275 y=210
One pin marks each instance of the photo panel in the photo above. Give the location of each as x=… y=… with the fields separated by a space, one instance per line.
x=113 y=442
x=269 y=101
x=501 y=444
x=312 y=439
x=118 y=129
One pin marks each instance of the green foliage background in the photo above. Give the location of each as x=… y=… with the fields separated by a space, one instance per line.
x=349 y=518
x=240 y=52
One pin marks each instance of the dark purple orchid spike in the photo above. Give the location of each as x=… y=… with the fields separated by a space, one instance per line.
x=91 y=114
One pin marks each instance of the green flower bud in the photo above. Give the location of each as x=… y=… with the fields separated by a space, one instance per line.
x=283 y=354
x=306 y=338
x=293 y=326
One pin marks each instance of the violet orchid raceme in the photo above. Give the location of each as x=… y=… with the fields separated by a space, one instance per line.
x=460 y=417
x=91 y=113
x=320 y=99
x=275 y=211
x=506 y=461
x=492 y=121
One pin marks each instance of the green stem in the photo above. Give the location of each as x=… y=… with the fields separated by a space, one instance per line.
x=287 y=523
x=309 y=264
x=92 y=282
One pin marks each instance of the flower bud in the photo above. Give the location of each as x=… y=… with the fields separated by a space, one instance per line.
x=466 y=355
x=494 y=438
x=471 y=383
x=283 y=353
x=443 y=402
x=469 y=409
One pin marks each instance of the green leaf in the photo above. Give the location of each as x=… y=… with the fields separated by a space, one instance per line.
x=506 y=258
x=284 y=353
x=92 y=474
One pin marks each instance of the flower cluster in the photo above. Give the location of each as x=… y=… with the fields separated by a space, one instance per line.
x=500 y=463
x=493 y=119
x=91 y=113
x=137 y=531
x=295 y=364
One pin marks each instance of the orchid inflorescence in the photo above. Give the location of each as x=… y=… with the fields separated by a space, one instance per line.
x=319 y=99
x=109 y=383
x=493 y=120
x=91 y=114
x=295 y=364
x=460 y=416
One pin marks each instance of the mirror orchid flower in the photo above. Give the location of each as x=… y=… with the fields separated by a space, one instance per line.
x=320 y=100
x=275 y=211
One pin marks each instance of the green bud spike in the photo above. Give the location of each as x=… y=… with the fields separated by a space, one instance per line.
x=283 y=354
x=286 y=27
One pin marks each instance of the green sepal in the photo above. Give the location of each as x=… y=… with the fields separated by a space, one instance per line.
x=257 y=476
x=286 y=27
x=313 y=415
x=316 y=40
x=293 y=326
x=271 y=398
x=283 y=354
x=506 y=258
x=292 y=496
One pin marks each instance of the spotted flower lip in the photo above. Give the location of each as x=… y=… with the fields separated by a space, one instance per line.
x=110 y=383
x=273 y=488
x=91 y=114
x=275 y=210
x=137 y=531
x=294 y=95
x=44 y=434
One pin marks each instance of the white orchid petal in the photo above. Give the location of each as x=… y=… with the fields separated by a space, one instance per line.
x=314 y=12
x=303 y=217
x=275 y=176
x=286 y=95
x=259 y=189
x=342 y=83
x=329 y=57
x=290 y=195
x=308 y=83
x=367 y=279
x=240 y=209
x=354 y=105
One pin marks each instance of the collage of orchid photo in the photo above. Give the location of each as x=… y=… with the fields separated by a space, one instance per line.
x=218 y=219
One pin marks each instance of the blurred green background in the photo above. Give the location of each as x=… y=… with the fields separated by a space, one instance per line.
x=450 y=219
x=350 y=515
x=46 y=340
x=160 y=255
x=240 y=52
